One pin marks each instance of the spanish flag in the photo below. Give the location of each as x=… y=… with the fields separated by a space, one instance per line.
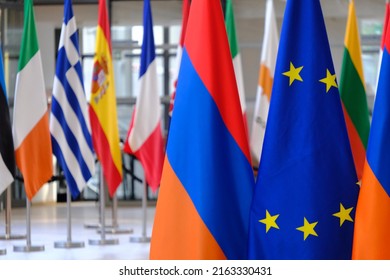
x=102 y=105
x=372 y=224
x=207 y=181
x=31 y=133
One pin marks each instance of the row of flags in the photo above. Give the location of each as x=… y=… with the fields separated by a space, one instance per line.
x=77 y=129
x=318 y=194
x=309 y=136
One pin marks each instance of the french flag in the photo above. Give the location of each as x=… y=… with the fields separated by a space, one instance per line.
x=144 y=138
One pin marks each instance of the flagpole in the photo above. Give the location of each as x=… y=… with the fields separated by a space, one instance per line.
x=68 y=243
x=143 y=238
x=102 y=240
x=28 y=247
x=114 y=228
x=8 y=235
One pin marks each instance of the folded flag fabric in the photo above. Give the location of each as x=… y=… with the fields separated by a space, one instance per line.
x=7 y=157
x=306 y=191
x=102 y=106
x=69 y=121
x=33 y=151
x=144 y=139
x=207 y=182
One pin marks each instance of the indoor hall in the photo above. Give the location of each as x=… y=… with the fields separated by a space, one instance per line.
x=211 y=163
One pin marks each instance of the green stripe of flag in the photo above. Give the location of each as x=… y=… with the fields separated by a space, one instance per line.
x=29 y=45
x=231 y=28
x=353 y=95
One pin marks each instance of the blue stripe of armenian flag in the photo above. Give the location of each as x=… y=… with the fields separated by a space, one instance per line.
x=207 y=183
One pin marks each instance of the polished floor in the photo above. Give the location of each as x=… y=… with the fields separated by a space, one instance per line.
x=49 y=225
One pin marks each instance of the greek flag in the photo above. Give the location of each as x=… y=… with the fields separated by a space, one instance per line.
x=69 y=123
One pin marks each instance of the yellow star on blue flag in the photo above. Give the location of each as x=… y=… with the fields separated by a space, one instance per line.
x=306 y=166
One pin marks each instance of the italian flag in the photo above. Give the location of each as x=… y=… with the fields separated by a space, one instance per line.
x=31 y=133
x=353 y=93
x=235 y=51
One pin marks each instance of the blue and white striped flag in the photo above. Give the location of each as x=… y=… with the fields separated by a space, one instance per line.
x=69 y=123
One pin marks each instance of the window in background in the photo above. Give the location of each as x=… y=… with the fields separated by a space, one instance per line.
x=371 y=34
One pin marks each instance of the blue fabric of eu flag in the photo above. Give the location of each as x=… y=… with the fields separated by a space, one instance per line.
x=307 y=187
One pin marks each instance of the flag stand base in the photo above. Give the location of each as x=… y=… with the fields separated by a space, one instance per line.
x=104 y=242
x=8 y=235
x=143 y=238
x=12 y=237
x=115 y=230
x=29 y=248
x=3 y=252
x=68 y=244
x=140 y=239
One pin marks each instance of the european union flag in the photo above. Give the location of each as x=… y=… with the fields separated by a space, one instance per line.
x=306 y=190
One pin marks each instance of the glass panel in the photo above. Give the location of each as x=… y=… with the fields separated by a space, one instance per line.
x=87 y=72
x=370 y=68
x=138 y=31
x=371 y=27
x=122 y=70
x=174 y=34
x=88 y=36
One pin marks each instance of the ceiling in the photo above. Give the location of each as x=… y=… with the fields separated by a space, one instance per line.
x=252 y=9
x=331 y=8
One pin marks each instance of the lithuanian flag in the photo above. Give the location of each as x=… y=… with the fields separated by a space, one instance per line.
x=353 y=93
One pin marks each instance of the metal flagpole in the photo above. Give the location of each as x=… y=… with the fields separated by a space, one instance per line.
x=8 y=235
x=143 y=238
x=114 y=229
x=102 y=240
x=28 y=247
x=68 y=243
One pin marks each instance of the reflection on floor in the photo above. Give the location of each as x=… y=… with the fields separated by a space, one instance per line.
x=49 y=225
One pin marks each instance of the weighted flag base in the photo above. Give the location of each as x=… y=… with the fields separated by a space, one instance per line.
x=3 y=252
x=140 y=239
x=68 y=244
x=29 y=248
x=8 y=235
x=104 y=242
x=92 y=226
x=12 y=237
x=115 y=230
x=97 y=226
x=143 y=238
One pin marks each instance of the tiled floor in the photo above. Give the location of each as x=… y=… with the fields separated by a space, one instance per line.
x=49 y=225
